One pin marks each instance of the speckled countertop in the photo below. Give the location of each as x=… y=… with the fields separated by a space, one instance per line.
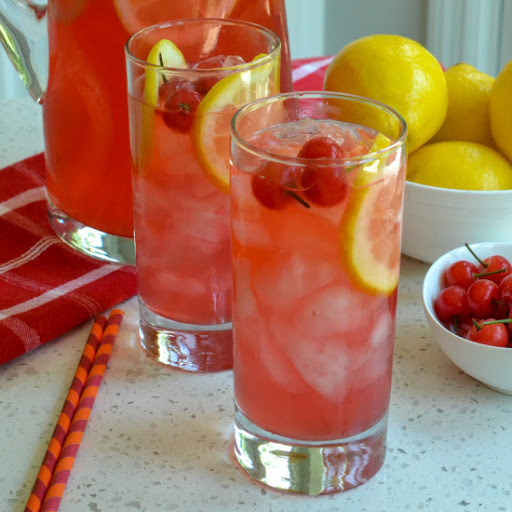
x=159 y=440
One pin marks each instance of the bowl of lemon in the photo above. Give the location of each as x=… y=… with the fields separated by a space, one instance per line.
x=459 y=169
x=459 y=184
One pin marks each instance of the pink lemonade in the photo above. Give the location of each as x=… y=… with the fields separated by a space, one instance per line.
x=85 y=110
x=313 y=336
x=182 y=226
x=179 y=128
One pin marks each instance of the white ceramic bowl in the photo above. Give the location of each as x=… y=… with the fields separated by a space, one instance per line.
x=490 y=365
x=437 y=220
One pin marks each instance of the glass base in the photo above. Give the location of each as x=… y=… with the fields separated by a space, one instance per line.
x=305 y=466
x=90 y=241
x=194 y=348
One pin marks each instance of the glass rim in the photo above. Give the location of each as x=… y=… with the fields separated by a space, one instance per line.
x=272 y=36
x=323 y=162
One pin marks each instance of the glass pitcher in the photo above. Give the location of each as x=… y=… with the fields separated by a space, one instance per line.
x=82 y=92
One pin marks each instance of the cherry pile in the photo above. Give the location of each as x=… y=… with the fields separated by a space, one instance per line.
x=276 y=185
x=476 y=300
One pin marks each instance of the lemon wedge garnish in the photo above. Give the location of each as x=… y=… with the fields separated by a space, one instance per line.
x=369 y=172
x=370 y=230
x=211 y=130
x=164 y=54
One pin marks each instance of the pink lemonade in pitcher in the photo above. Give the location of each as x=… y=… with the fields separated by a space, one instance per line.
x=186 y=79
x=85 y=108
x=316 y=250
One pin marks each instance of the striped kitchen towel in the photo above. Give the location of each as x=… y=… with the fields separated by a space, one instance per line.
x=46 y=288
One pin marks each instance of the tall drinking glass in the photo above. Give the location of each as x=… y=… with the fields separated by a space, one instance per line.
x=186 y=79
x=316 y=187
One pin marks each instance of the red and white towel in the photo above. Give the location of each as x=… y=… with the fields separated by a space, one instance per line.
x=47 y=288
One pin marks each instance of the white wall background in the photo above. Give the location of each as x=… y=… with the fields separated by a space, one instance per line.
x=475 y=31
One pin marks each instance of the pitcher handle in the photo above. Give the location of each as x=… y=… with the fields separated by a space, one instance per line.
x=24 y=36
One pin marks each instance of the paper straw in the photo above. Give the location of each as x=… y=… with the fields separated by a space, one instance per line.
x=73 y=439
x=61 y=429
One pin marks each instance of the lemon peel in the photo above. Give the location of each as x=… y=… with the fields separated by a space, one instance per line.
x=372 y=255
x=163 y=54
x=212 y=125
x=369 y=172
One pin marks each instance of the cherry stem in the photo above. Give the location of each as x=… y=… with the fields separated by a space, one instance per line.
x=483 y=274
x=491 y=322
x=298 y=198
x=485 y=265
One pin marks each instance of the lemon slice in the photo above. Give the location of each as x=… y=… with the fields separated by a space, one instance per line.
x=372 y=171
x=165 y=54
x=370 y=230
x=211 y=130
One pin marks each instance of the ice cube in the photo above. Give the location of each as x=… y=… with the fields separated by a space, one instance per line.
x=283 y=282
x=335 y=310
x=325 y=366
x=233 y=60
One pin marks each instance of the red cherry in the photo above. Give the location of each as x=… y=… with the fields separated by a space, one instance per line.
x=325 y=185
x=509 y=325
x=179 y=109
x=169 y=87
x=494 y=334
x=266 y=186
x=460 y=273
x=291 y=177
x=505 y=288
x=321 y=147
x=482 y=296
x=451 y=301
x=463 y=329
x=494 y=263
x=460 y=325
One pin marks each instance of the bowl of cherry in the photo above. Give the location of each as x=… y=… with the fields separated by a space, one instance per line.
x=467 y=297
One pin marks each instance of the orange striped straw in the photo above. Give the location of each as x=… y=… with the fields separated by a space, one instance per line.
x=73 y=439
x=76 y=430
x=61 y=429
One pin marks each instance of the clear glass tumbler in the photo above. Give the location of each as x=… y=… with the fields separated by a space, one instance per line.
x=186 y=79
x=316 y=202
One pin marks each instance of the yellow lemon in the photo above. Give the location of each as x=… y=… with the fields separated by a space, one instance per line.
x=467 y=117
x=501 y=110
x=460 y=165
x=398 y=72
